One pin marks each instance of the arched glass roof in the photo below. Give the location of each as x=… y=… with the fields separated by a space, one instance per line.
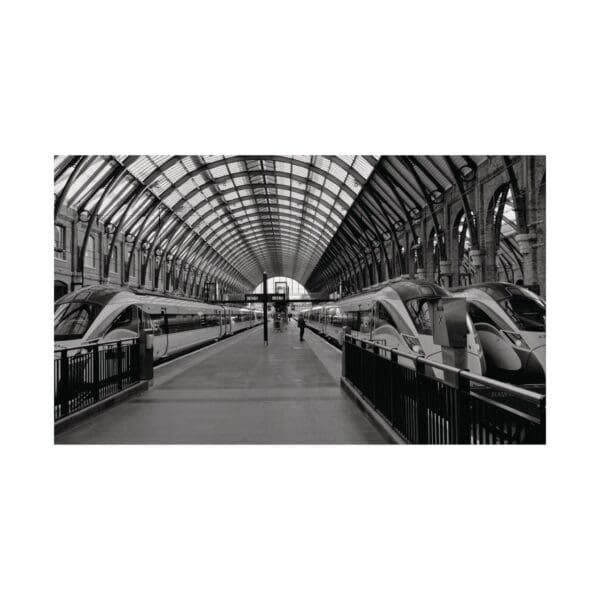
x=248 y=214
x=399 y=192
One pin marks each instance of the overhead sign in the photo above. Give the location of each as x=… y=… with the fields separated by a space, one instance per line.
x=261 y=297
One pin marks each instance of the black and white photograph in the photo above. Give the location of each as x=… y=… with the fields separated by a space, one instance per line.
x=299 y=299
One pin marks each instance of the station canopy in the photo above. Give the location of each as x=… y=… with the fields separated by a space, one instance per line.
x=251 y=214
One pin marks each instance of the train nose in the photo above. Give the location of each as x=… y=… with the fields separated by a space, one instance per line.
x=476 y=363
x=537 y=361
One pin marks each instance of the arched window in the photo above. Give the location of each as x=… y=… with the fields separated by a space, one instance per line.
x=400 y=260
x=90 y=252
x=416 y=252
x=114 y=260
x=509 y=260
x=59 y=242
x=466 y=270
x=132 y=267
x=434 y=247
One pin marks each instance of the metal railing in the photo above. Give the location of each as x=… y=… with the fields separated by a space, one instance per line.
x=88 y=374
x=457 y=408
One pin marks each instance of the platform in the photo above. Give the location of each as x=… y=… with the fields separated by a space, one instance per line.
x=239 y=392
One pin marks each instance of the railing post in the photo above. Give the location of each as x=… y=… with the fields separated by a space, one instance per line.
x=146 y=355
x=96 y=371
x=64 y=383
x=542 y=436
x=361 y=359
x=375 y=379
x=422 y=437
x=393 y=360
x=462 y=430
x=120 y=364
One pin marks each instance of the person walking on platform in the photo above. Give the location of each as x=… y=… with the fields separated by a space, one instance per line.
x=302 y=325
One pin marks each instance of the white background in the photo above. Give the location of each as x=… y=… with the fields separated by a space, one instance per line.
x=148 y=77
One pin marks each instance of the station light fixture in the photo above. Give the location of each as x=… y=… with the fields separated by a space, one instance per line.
x=437 y=196
x=467 y=173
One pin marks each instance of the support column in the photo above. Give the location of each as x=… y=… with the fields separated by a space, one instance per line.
x=265 y=326
x=76 y=273
x=526 y=242
x=446 y=273
x=477 y=260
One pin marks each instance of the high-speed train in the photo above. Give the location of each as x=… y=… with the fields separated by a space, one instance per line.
x=397 y=316
x=106 y=314
x=511 y=324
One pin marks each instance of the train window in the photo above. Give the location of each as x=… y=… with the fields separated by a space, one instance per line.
x=128 y=319
x=418 y=309
x=354 y=320
x=365 y=321
x=382 y=316
x=479 y=315
x=73 y=319
x=178 y=323
x=527 y=313
x=209 y=320
x=145 y=319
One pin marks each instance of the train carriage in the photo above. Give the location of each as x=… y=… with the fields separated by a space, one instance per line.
x=106 y=314
x=511 y=324
x=396 y=316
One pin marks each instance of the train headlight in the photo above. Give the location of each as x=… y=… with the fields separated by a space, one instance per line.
x=413 y=344
x=516 y=339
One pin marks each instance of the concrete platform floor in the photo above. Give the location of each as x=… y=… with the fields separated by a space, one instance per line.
x=239 y=392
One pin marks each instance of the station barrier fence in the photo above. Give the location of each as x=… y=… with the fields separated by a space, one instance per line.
x=88 y=374
x=425 y=409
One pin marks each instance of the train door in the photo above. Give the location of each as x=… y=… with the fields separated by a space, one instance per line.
x=160 y=330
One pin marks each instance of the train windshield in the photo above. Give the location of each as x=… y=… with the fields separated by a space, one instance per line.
x=529 y=314
x=418 y=309
x=73 y=319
